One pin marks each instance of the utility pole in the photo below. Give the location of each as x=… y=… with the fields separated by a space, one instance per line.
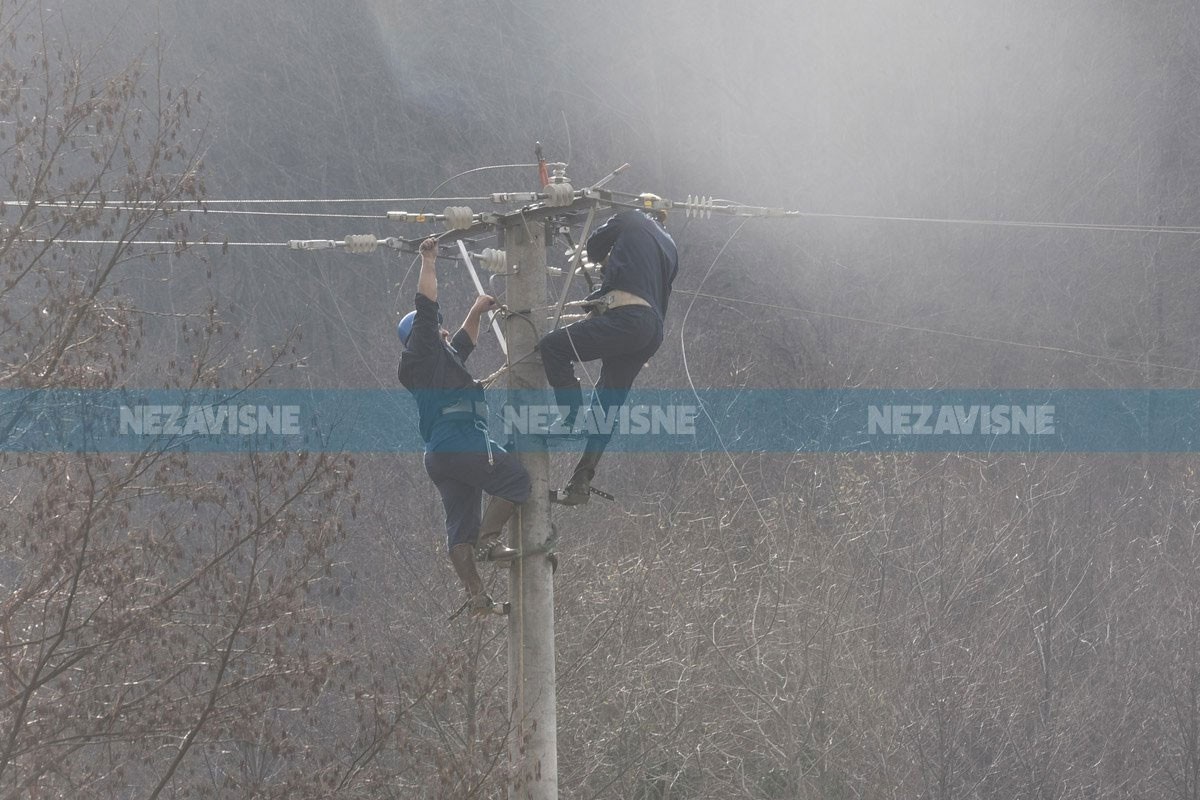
x=521 y=259
x=533 y=744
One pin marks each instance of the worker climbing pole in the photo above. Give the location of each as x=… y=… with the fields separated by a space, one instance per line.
x=520 y=263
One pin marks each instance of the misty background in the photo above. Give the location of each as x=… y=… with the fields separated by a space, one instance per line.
x=1063 y=113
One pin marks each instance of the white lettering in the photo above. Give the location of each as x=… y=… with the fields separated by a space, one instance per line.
x=1022 y=419
x=1000 y=420
x=245 y=418
x=515 y=419
x=922 y=424
x=966 y=419
x=639 y=421
x=171 y=425
x=151 y=420
x=947 y=421
x=131 y=420
x=215 y=417
x=270 y=419
x=687 y=420
x=173 y=420
x=993 y=420
x=290 y=419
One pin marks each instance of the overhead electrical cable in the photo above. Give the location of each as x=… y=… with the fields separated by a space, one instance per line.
x=940 y=332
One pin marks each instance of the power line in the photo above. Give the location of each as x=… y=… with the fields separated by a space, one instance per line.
x=688 y=372
x=938 y=332
x=1085 y=226
x=164 y=243
x=793 y=309
x=248 y=212
x=699 y=207
x=198 y=204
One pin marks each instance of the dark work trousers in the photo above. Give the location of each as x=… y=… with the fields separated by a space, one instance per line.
x=623 y=339
x=463 y=474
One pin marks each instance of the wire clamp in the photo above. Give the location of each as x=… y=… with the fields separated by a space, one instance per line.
x=311 y=244
x=514 y=197
x=409 y=216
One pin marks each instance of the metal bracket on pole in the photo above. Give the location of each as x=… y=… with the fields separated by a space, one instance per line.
x=466 y=257
x=562 y=298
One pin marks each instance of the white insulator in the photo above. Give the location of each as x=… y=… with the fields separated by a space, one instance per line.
x=494 y=260
x=458 y=218
x=408 y=216
x=698 y=206
x=360 y=243
x=311 y=244
x=559 y=194
x=556 y=271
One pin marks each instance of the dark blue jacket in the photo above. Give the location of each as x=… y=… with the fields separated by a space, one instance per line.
x=641 y=258
x=435 y=374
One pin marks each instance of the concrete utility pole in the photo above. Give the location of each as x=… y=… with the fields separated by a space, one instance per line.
x=533 y=744
x=521 y=258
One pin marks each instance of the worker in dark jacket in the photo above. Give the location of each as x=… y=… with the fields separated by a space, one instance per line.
x=459 y=455
x=624 y=329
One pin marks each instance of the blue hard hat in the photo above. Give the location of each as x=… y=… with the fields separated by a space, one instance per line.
x=404 y=329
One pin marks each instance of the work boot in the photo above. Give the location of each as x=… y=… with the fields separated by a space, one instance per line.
x=482 y=605
x=462 y=558
x=490 y=547
x=579 y=489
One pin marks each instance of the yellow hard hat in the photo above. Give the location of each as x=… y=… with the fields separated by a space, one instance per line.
x=652 y=202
